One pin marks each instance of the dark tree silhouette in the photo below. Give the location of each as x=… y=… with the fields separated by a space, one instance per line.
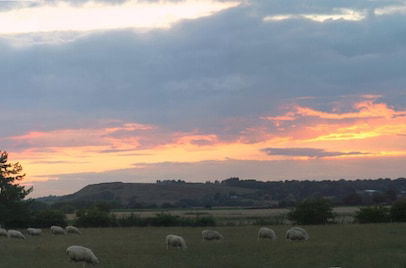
x=312 y=211
x=11 y=192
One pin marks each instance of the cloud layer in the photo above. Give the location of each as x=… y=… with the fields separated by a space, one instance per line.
x=252 y=81
x=93 y=16
x=308 y=152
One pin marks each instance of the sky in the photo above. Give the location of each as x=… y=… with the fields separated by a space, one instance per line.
x=139 y=91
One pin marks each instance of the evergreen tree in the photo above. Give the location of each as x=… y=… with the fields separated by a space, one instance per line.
x=12 y=207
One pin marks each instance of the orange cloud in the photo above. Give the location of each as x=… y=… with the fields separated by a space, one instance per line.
x=371 y=127
x=370 y=130
x=365 y=109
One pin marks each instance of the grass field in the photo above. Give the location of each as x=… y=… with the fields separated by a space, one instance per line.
x=236 y=216
x=345 y=245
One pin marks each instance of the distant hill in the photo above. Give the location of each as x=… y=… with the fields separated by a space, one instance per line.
x=234 y=192
x=144 y=194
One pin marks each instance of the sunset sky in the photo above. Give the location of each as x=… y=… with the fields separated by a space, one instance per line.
x=135 y=91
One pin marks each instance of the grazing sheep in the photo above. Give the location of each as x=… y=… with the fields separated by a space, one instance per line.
x=34 y=231
x=3 y=232
x=82 y=254
x=266 y=233
x=303 y=231
x=175 y=241
x=297 y=233
x=72 y=230
x=15 y=234
x=57 y=230
x=211 y=235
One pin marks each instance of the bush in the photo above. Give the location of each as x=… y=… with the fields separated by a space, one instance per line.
x=372 y=215
x=21 y=216
x=312 y=211
x=398 y=211
x=131 y=220
x=49 y=217
x=164 y=219
x=95 y=217
x=204 y=221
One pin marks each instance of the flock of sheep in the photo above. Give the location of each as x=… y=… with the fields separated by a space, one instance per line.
x=86 y=255
x=294 y=233
x=75 y=253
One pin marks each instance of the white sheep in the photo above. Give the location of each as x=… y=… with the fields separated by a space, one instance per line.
x=82 y=254
x=211 y=235
x=57 y=230
x=266 y=233
x=175 y=241
x=34 y=231
x=3 y=232
x=15 y=234
x=297 y=233
x=72 y=230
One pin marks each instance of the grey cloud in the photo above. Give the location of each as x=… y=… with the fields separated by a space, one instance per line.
x=202 y=73
x=310 y=152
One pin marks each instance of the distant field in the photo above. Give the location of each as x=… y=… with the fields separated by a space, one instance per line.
x=241 y=216
x=235 y=216
x=350 y=245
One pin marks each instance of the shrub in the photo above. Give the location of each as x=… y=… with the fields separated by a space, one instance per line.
x=20 y=217
x=131 y=220
x=204 y=221
x=49 y=217
x=372 y=214
x=164 y=219
x=312 y=211
x=95 y=217
x=273 y=220
x=398 y=211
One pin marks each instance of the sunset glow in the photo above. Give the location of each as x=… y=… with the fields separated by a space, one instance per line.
x=370 y=131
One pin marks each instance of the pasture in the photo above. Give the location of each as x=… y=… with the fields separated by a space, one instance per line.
x=238 y=216
x=345 y=245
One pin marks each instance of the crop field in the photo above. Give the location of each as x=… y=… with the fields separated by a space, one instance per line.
x=345 y=245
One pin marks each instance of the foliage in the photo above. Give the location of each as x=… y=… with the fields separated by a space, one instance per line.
x=19 y=215
x=165 y=219
x=12 y=208
x=49 y=217
x=373 y=214
x=205 y=221
x=312 y=211
x=131 y=220
x=35 y=205
x=352 y=199
x=398 y=211
x=94 y=217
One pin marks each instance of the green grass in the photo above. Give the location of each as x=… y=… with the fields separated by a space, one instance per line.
x=369 y=245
